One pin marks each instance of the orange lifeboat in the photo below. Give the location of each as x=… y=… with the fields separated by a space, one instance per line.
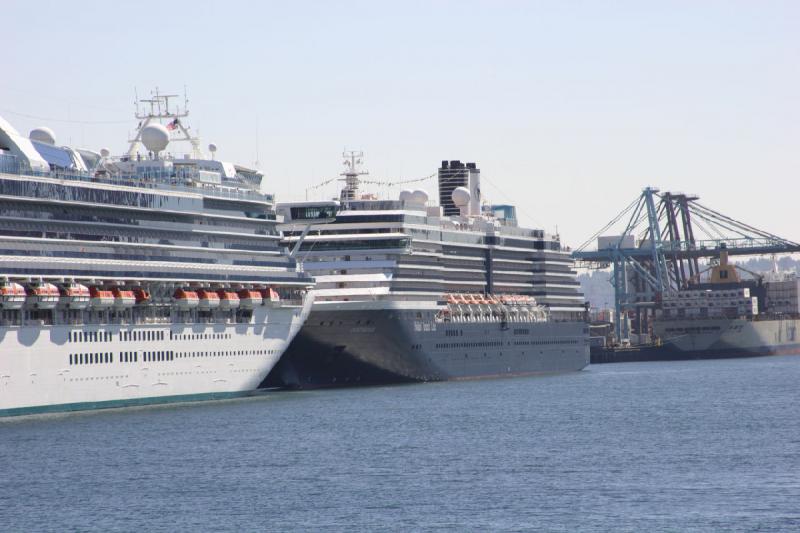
x=142 y=296
x=12 y=295
x=451 y=299
x=228 y=299
x=248 y=299
x=43 y=296
x=123 y=299
x=185 y=299
x=269 y=295
x=74 y=296
x=209 y=299
x=100 y=299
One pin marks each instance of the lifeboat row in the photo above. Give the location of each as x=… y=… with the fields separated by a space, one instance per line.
x=224 y=299
x=68 y=296
x=489 y=299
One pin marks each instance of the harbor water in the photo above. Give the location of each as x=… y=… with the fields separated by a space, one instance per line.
x=664 y=446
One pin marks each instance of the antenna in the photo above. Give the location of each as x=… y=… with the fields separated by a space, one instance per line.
x=352 y=160
x=159 y=112
x=256 y=164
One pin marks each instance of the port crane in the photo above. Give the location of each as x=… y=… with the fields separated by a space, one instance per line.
x=659 y=250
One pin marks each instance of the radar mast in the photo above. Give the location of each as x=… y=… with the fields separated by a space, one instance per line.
x=156 y=109
x=352 y=161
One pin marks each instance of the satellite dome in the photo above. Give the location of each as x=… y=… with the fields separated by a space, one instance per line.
x=155 y=137
x=104 y=152
x=43 y=134
x=419 y=197
x=461 y=196
x=212 y=148
x=405 y=195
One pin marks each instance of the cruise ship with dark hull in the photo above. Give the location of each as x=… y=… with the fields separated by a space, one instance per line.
x=408 y=291
x=137 y=279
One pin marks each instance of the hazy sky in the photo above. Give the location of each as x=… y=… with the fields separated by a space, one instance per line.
x=569 y=108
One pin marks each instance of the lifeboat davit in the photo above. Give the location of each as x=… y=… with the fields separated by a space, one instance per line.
x=123 y=299
x=100 y=298
x=43 y=296
x=74 y=296
x=451 y=299
x=248 y=299
x=142 y=296
x=186 y=299
x=228 y=299
x=208 y=299
x=12 y=296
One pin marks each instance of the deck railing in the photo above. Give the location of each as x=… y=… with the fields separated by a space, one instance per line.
x=177 y=180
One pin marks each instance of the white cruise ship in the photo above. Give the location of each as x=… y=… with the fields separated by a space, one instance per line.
x=139 y=279
x=409 y=291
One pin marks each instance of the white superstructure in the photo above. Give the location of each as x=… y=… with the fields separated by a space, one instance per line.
x=145 y=278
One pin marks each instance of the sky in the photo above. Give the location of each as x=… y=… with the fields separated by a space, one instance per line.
x=570 y=108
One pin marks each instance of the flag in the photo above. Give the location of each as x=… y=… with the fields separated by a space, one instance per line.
x=173 y=125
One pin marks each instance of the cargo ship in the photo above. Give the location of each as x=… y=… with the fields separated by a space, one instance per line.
x=137 y=279
x=408 y=290
x=731 y=317
x=725 y=316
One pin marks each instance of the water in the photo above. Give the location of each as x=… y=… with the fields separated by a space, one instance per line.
x=674 y=446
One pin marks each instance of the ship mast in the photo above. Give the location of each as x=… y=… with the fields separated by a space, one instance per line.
x=352 y=160
x=157 y=109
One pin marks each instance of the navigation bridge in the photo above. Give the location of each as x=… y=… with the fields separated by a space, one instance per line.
x=659 y=247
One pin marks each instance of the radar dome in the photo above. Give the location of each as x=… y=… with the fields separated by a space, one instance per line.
x=43 y=135
x=461 y=196
x=104 y=152
x=155 y=137
x=212 y=148
x=419 y=197
x=405 y=195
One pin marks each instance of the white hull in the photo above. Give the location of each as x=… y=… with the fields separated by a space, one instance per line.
x=52 y=368
x=755 y=337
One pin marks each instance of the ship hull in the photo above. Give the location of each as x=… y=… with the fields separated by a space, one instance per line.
x=727 y=338
x=350 y=347
x=66 y=368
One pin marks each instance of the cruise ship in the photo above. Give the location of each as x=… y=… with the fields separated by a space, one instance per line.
x=409 y=291
x=137 y=279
